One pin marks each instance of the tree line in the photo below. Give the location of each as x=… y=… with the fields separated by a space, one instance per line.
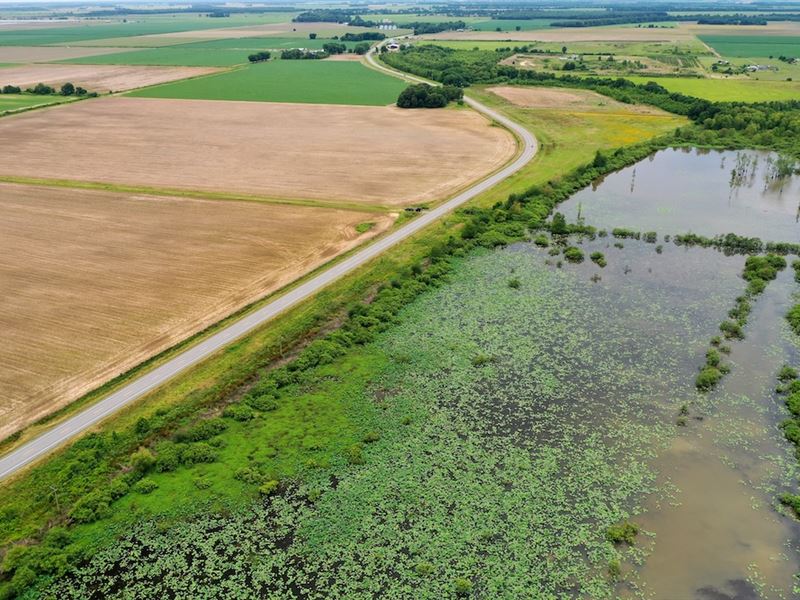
x=41 y=89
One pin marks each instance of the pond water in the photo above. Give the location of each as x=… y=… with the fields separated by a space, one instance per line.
x=706 y=192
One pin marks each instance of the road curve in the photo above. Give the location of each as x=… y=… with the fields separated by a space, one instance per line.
x=85 y=418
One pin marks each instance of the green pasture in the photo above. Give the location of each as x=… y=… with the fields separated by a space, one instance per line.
x=754 y=45
x=212 y=53
x=728 y=90
x=308 y=81
x=11 y=102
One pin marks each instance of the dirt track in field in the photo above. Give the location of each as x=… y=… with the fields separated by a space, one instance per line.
x=32 y=54
x=94 y=282
x=375 y=155
x=98 y=78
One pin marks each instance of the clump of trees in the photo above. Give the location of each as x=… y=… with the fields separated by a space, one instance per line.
x=41 y=89
x=259 y=56
x=11 y=89
x=423 y=95
x=334 y=48
x=297 y=54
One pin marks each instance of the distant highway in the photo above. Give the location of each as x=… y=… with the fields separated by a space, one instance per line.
x=91 y=415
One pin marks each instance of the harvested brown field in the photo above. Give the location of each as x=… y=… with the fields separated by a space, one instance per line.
x=573 y=100
x=98 y=78
x=32 y=54
x=95 y=282
x=370 y=154
x=573 y=34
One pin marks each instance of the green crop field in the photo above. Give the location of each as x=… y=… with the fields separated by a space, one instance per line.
x=309 y=81
x=144 y=26
x=723 y=90
x=754 y=45
x=212 y=53
x=10 y=102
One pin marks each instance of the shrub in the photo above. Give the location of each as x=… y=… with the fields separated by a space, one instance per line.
x=712 y=358
x=732 y=330
x=263 y=403
x=541 y=240
x=793 y=316
x=573 y=254
x=239 y=412
x=424 y=568
x=248 y=475
x=67 y=89
x=598 y=258
x=792 y=501
x=168 y=457
x=514 y=284
x=708 y=378
x=614 y=569
x=372 y=436
x=462 y=586
x=625 y=532
x=355 y=454
x=145 y=486
x=204 y=430
x=91 y=507
x=268 y=488
x=787 y=373
x=142 y=460
x=198 y=453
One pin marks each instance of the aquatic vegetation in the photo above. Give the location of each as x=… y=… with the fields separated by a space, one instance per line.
x=625 y=532
x=598 y=258
x=573 y=254
x=708 y=378
x=793 y=316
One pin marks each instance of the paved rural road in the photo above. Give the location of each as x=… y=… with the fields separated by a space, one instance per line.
x=91 y=415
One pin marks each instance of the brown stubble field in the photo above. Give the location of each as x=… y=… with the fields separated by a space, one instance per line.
x=573 y=34
x=96 y=282
x=98 y=78
x=364 y=154
x=32 y=54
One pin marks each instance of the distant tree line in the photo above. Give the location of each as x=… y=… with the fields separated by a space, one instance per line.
x=427 y=96
x=422 y=28
x=363 y=37
x=259 y=56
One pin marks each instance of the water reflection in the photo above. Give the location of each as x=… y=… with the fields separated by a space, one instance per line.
x=707 y=192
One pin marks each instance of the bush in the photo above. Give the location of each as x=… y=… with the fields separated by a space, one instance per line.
x=142 y=460
x=515 y=284
x=787 y=373
x=623 y=533
x=145 y=486
x=168 y=457
x=204 y=430
x=462 y=586
x=541 y=241
x=424 y=568
x=708 y=378
x=263 y=403
x=598 y=258
x=269 y=488
x=793 y=316
x=355 y=454
x=198 y=453
x=239 y=412
x=573 y=254
x=712 y=358
x=732 y=330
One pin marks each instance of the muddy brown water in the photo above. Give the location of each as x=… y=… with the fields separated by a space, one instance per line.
x=715 y=531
